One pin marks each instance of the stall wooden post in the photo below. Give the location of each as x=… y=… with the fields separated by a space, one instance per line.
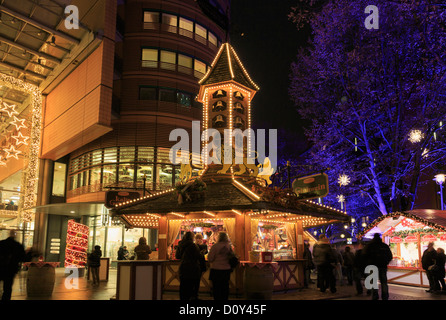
x=162 y=238
x=243 y=236
x=299 y=240
x=242 y=246
x=300 y=249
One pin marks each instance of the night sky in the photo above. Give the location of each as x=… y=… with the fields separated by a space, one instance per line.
x=267 y=42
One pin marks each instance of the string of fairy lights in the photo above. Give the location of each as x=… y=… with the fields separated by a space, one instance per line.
x=21 y=143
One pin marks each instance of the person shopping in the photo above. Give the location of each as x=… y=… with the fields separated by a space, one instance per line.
x=220 y=270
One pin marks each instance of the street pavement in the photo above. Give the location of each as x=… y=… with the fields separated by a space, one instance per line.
x=107 y=290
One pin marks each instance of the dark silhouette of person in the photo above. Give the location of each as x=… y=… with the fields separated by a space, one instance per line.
x=94 y=263
x=325 y=261
x=142 y=250
x=377 y=253
x=440 y=272
x=349 y=259
x=427 y=260
x=359 y=265
x=190 y=267
x=12 y=253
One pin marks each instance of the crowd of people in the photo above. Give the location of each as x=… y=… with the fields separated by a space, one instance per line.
x=334 y=267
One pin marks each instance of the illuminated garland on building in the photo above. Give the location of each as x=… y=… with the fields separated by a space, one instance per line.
x=31 y=163
x=77 y=245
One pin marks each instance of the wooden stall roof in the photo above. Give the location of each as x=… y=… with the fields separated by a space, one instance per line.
x=432 y=218
x=225 y=192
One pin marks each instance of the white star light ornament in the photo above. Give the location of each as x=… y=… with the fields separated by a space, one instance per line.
x=12 y=152
x=9 y=109
x=20 y=139
x=18 y=123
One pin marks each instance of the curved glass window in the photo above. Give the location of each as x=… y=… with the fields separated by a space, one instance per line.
x=122 y=167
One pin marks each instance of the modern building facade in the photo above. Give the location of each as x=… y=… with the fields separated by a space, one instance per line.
x=120 y=84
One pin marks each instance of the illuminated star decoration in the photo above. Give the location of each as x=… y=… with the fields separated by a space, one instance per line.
x=340 y=198
x=415 y=136
x=9 y=109
x=343 y=180
x=18 y=123
x=2 y=162
x=12 y=152
x=21 y=139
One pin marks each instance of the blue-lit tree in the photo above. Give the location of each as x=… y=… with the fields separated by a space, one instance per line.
x=376 y=98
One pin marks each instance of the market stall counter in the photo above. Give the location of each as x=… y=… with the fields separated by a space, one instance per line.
x=139 y=280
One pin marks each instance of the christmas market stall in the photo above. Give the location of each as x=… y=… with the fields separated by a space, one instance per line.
x=408 y=235
x=257 y=219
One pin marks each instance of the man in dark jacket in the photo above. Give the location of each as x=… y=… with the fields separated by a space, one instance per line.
x=12 y=253
x=94 y=262
x=190 y=267
x=428 y=259
x=377 y=253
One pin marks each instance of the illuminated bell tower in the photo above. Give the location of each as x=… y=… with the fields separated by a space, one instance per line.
x=226 y=91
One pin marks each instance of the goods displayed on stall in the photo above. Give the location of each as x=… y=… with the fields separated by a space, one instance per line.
x=77 y=245
x=408 y=236
x=271 y=243
x=209 y=229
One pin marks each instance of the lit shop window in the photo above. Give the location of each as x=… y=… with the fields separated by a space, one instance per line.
x=151 y=20
x=145 y=154
x=59 y=172
x=125 y=166
x=186 y=27
x=95 y=175
x=126 y=154
x=110 y=155
x=170 y=23
x=126 y=172
x=150 y=58
x=200 y=34
x=168 y=60
x=109 y=174
x=212 y=39
x=199 y=68
x=184 y=64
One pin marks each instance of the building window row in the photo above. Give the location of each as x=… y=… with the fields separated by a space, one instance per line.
x=156 y=20
x=182 y=98
x=122 y=167
x=173 y=61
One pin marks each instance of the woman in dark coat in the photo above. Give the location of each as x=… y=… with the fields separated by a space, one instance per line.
x=440 y=273
x=190 y=266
